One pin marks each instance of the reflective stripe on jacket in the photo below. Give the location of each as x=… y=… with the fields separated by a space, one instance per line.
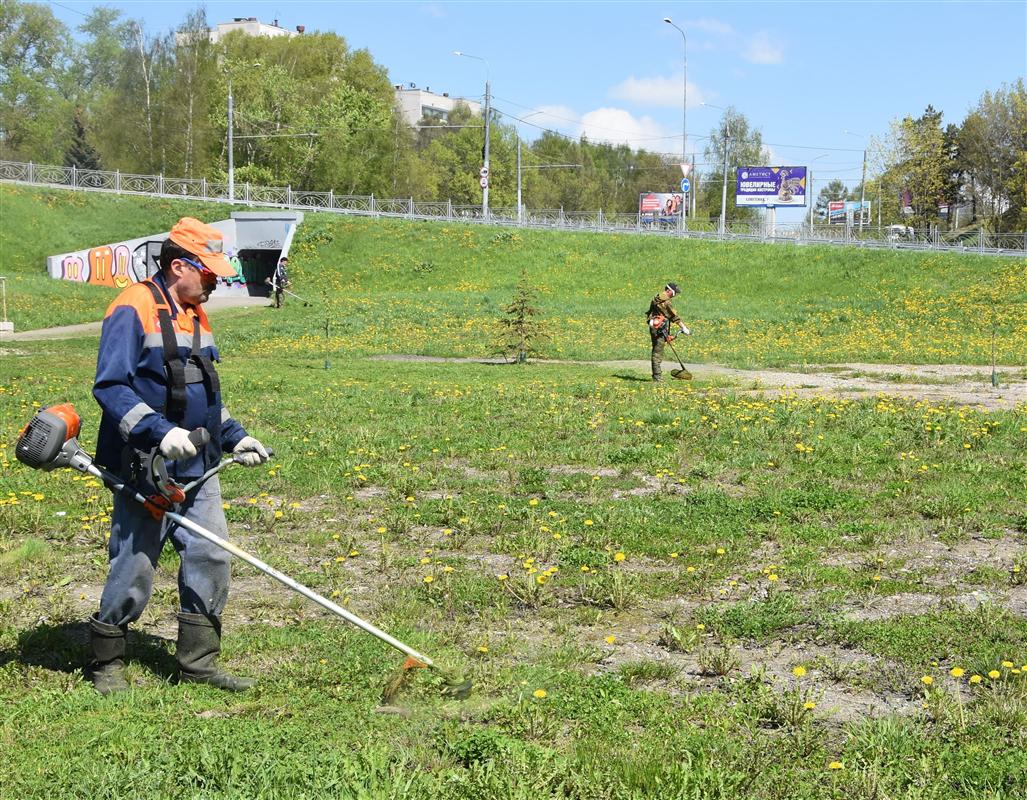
x=131 y=386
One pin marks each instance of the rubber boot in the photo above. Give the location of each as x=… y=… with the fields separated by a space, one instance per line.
x=199 y=644
x=107 y=670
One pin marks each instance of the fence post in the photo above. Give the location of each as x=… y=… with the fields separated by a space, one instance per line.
x=117 y=180
x=160 y=184
x=74 y=176
x=247 y=192
x=599 y=220
x=331 y=199
x=373 y=214
x=288 y=195
x=31 y=173
x=203 y=184
x=561 y=217
x=449 y=210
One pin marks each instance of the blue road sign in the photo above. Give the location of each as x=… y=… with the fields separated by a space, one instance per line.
x=686 y=185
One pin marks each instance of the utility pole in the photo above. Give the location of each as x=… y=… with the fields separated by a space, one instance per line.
x=723 y=196
x=520 y=214
x=487 y=177
x=231 y=149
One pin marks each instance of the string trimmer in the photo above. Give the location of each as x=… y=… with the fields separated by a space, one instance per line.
x=681 y=374
x=50 y=442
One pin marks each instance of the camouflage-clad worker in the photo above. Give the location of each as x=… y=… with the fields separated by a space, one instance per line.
x=660 y=316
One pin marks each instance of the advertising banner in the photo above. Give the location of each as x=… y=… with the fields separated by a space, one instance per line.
x=660 y=207
x=840 y=212
x=770 y=186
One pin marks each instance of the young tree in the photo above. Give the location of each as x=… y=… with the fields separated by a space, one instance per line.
x=744 y=146
x=522 y=329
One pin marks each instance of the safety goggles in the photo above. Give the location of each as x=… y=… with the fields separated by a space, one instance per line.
x=204 y=272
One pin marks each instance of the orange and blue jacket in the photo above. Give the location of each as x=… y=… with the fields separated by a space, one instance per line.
x=131 y=385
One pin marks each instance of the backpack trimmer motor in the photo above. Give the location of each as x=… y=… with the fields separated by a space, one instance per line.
x=50 y=441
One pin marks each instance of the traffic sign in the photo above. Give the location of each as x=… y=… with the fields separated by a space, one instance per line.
x=484 y=172
x=686 y=185
x=484 y=183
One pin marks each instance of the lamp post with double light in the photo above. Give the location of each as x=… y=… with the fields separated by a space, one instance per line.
x=485 y=175
x=684 y=100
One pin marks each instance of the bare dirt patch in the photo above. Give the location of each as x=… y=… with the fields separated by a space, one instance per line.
x=961 y=384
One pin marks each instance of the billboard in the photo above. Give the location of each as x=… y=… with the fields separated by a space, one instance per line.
x=840 y=212
x=770 y=186
x=664 y=207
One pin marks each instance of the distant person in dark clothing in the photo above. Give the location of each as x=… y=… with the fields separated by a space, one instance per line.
x=280 y=281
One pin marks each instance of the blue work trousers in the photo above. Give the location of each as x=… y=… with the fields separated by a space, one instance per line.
x=136 y=542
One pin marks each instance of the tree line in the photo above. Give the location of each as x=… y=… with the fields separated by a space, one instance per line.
x=314 y=114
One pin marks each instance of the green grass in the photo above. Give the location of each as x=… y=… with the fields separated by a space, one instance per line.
x=719 y=538
x=438 y=288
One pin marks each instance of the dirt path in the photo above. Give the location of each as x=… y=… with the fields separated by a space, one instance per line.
x=964 y=384
x=90 y=328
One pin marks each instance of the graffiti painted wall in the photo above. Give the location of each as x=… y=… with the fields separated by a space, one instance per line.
x=254 y=237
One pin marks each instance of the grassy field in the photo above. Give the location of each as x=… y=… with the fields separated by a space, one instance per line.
x=694 y=591
x=687 y=592
x=438 y=289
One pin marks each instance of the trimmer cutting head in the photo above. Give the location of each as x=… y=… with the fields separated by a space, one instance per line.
x=48 y=442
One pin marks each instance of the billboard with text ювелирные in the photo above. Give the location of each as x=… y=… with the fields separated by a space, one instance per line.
x=770 y=186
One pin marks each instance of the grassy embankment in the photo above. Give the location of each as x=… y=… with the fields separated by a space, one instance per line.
x=438 y=289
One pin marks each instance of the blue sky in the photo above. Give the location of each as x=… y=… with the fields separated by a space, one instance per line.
x=802 y=72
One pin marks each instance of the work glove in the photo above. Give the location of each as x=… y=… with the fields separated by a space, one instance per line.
x=249 y=452
x=176 y=445
x=684 y=330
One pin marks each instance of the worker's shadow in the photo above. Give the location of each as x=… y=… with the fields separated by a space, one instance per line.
x=65 y=648
x=624 y=376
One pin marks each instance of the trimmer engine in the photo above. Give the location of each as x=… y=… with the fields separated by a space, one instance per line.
x=49 y=440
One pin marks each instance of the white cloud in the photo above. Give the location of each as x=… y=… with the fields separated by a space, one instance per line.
x=762 y=49
x=617 y=126
x=657 y=91
x=709 y=25
x=610 y=125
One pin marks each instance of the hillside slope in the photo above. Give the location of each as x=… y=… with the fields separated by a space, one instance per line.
x=439 y=288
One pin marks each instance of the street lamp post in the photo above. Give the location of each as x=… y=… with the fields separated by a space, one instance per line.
x=863 y=181
x=809 y=187
x=487 y=176
x=684 y=103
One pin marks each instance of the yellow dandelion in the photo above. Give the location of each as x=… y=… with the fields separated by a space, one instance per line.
x=618 y=556
x=589 y=522
x=993 y=674
x=429 y=578
x=610 y=639
x=799 y=671
x=835 y=765
x=957 y=672
x=975 y=679
x=809 y=705
x=540 y=694
x=927 y=680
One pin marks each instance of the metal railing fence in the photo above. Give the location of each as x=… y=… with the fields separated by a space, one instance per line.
x=798 y=233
